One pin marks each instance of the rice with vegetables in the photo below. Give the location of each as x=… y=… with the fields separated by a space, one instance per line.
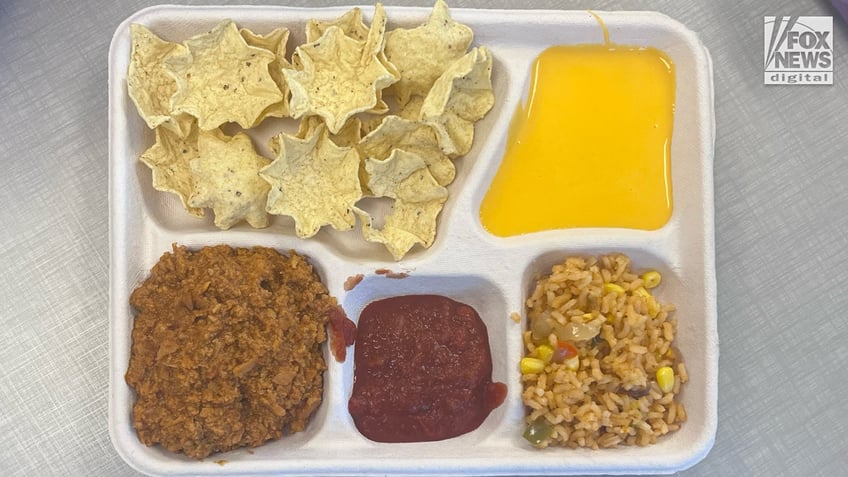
x=600 y=367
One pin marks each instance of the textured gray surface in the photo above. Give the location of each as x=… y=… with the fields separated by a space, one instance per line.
x=781 y=240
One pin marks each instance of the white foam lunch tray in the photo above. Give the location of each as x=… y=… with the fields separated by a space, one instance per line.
x=465 y=262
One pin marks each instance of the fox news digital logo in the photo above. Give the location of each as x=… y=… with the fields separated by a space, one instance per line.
x=798 y=50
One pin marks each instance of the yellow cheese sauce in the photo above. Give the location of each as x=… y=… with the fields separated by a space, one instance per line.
x=591 y=147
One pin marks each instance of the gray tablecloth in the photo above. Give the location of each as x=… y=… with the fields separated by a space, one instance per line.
x=781 y=239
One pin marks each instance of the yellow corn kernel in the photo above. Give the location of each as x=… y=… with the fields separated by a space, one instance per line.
x=612 y=287
x=532 y=366
x=665 y=379
x=545 y=353
x=641 y=291
x=653 y=307
x=651 y=279
x=572 y=363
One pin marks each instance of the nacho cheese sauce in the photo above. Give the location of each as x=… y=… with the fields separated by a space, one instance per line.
x=591 y=147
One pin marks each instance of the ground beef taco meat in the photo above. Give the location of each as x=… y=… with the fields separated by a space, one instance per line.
x=226 y=348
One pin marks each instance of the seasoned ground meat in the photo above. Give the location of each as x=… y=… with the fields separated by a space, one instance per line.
x=226 y=348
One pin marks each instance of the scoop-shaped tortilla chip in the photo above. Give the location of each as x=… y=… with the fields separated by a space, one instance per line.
x=461 y=96
x=410 y=136
x=419 y=199
x=350 y=24
x=407 y=225
x=421 y=54
x=403 y=176
x=353 y=27
x=148 y=83
x=340 y=76
x=349 y=136
x=222 y=79
x=412 y=109
x=275 y=42
x=169 y=160
x=226 y=179
x=375 y=42
x=370 y=122
x=386 y=175
x=314 y=181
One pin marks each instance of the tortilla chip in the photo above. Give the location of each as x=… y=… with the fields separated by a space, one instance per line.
x=421 y=54
x=222 y=79
x=350 y=24
x=335 y=85
x=412 y=109
x=315 y=182
x=376 y=42
x=459 y=98
x=169 y=160
x=370 y=122
x=275 y=42
x=418 y=198
x=148 y=83
x=403 y=176
x=349 y=136
x=407 y=225
x=386 y=175
x=415 y=137
x=306 y=127
x=226 y=179
x=340 y=76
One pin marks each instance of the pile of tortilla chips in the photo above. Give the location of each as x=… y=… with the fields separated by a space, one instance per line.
x=383 y=113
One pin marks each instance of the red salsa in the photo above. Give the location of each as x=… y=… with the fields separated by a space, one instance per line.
x=422 y=370
x=342 y=333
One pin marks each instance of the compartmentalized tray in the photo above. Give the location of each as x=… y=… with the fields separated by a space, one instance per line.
x=465 y=263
